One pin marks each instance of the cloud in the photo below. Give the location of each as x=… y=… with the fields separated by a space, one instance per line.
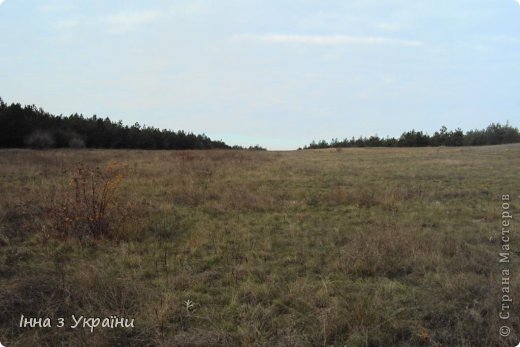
x=390 y=26
x=57 y=6
x=191 y=8
x=327 y=39
x=518 y=1
x=1 y=1
x=503 y=39
x=65 y=24
x=123 y=22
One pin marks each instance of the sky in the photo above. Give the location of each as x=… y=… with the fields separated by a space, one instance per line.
x=275 y=73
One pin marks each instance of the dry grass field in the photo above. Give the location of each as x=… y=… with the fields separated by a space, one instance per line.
x=351 y=247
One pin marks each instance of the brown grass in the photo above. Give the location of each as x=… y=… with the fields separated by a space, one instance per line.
x=358 y=247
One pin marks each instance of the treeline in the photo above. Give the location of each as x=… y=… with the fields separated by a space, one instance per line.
x=250 y=148
x=494 y=134
x=29 y=126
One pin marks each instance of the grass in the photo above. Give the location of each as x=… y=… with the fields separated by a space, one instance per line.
x=351 y=247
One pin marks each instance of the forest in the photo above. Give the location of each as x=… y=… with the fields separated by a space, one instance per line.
x=30 y=126
x=494 y=134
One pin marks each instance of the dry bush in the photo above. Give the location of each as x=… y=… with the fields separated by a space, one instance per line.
x=87 y=205
x=77 y=142
x=40 y=140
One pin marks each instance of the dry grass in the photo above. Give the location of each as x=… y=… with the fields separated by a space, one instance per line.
x=86 y=205
x=357 y=247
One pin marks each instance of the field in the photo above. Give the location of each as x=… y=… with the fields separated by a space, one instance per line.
x=350 y=247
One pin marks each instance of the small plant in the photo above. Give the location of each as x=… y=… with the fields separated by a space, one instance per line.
x=189 y=305
x=87 y=205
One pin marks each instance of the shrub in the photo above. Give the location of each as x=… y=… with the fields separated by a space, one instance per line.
x=87 y=206
x=76 y=142
x=40 y=139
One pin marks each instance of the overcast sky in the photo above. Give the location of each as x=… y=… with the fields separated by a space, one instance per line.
x=275 y=73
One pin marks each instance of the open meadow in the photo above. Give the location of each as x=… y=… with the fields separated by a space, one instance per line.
x=337 y=247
